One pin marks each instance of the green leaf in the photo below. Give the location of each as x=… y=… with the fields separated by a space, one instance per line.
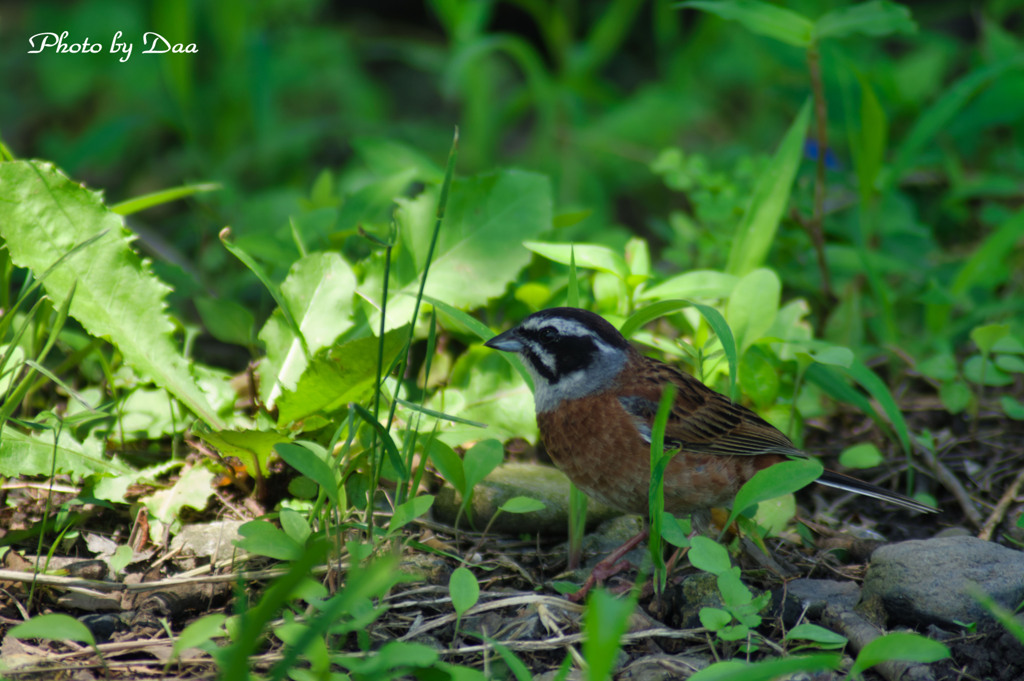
x=480 y=460
x=693 y=284
x=198 y=633
x=193 y=489
x=522 y=505
x=870 y=381
x=24 y=455
x=863 y=455
x=43 y=214
x=262 y=538
x=674 y=531
x=589 y=256
x=336 y=376
x=752 y=307
x=898 y=646
x=252 y=447
x=875 y=18
x=410 y=510
x=312 y=466
x=761 y=18
x=813 y=632
x=725 y=335
x=714 y=618
x=868 y=140
x=317 y=296
x=226 y=320
x=604 y=622
x=449 y=465
x=53 y=627
x=161 y=197
x=782 y=478
x=650 y=313
x=986 y=336
x=295 y=525
x=955 y=396
x=464 y=590
x=487 y=219
x=1012 y=407
x=756 y=231
x=708 y=555
x=768 y=670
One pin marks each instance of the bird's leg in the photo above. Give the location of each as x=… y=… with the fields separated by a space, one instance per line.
x=611 y=565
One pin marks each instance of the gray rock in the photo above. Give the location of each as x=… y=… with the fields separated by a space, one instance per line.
x=544 y=483
x=810 y=597
x=934 y=580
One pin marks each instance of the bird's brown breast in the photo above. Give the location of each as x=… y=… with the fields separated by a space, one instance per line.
x=596 y=443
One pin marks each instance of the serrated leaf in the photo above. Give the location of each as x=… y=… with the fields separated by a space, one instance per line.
x=24 y=455
x=43 y=214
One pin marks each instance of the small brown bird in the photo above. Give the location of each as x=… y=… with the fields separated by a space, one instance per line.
x=596 y=398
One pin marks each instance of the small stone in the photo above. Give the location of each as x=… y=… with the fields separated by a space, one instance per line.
x=810 y=597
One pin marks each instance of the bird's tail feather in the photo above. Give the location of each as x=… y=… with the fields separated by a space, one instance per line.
x=845 y=482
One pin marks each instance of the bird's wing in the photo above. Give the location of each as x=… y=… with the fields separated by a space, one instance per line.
x=702 y=420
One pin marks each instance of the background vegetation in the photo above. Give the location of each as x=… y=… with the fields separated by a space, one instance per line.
x=815 y=209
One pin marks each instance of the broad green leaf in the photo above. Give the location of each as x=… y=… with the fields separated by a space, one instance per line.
x=488 y=217
x=898 y=646
x=336 y=376
x=448 y=464
x=876 y=18
x=202 y=631
x=752 y=307
x=53 y=627
x=762 y=18
x=588 y=256
x=714 y=618
x=522 y=505
x=756 y=231
x=252 y=447
x=318 y=292
x=410 y=510
x=43 y=214
x=986 y=336
x=1012 y=407
x=464 y=590
x=708 y=555
x=480 y=460
x=650 y=313
x=782 y=478
x=693 y=284
x=295 y=525
x=312 y=466
x=262 y=538
x=674 y=531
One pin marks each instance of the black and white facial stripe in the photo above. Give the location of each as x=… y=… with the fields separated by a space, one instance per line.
x=570 y=353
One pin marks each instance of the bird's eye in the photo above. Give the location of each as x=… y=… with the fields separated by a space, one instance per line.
x=548 y=334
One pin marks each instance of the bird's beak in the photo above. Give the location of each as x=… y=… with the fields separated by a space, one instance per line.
x=507 y=342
